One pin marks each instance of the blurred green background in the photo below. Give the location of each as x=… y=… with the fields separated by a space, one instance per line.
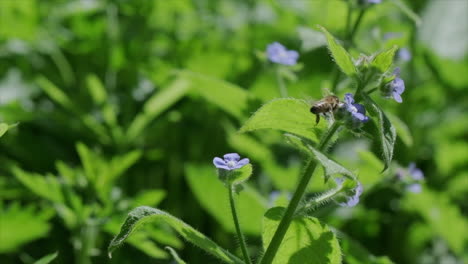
x=125 y=103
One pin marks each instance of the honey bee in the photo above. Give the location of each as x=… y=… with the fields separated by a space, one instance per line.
x=326 y=105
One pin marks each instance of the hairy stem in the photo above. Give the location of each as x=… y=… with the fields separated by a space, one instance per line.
x=281 y=84
x=243 y=245
x=322 y=198
x=297 y=197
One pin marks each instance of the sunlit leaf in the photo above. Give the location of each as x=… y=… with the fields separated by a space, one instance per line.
x=3 y=129
x=145 y=214
x=22 y=224
x=288 y=115
x=306 y=241
x=339 y=54
x=47 y=258
x=383 y=60
x=157 y=104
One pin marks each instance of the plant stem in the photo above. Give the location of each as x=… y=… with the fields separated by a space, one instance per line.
x=281 y=85
x=243 y=245
x=356 y=25
x=322 y=198
x=297 y=197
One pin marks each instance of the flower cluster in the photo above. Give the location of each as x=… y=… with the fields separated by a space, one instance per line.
x=351 y=113
x=277 y=53
x=411 y=178
x=395 y=88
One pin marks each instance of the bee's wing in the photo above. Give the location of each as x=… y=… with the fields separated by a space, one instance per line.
x=326 y=92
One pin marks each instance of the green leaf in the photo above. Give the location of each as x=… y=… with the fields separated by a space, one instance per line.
x=56 y=94
x=311 y=39
x=383 y=60
x=386 y=131
x=443 y=217
x=3 y=128
x=47 y=186
x=143 y=214
x=306 y=241
x=157 y=104
x=96 y=89
x=208 y=190
x=174 y=254
x=355 y=253
x=402 y=129
x=20 y=225
x=288 y=115
x=47 y=258
x=339 y=54
x=227 y=96
x=235 y=177
x=330 y=167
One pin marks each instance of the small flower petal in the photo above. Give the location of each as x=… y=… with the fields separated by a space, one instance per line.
x=220 y=163
x=397 y=97
x=349 y=98
x=414 y=188
x=398 y=85
x=231 y=157
x=242 y=163
x=277 y=53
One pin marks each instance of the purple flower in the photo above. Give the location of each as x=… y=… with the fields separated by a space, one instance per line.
x=357 y=111
x=415 y=173
x=404 y=54
x=277 y=53
x=230 y=162
x=395 y=88
x=414 y=188
x=410 y=178
x=354 y=199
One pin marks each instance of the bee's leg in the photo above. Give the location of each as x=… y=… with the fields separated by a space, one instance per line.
x=317 y=118
x=332 y=117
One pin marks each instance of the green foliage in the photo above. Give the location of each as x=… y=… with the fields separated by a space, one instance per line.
x=339 y=54
x=306 y=241
x=235 y=177
x=24 y=224
x=144 y=214
x=174 y=255
x=442 y=217
x=386 y=132
x=209 y=192
x=47 y=258
x=330 y=167
x=3 y=128
x=383 y=60
x=288 y=115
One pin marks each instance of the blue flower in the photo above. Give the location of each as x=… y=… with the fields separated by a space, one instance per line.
x=395 y=88
x=415 y=173
x=357 y=111
x=230 y=162
x=404 y=54
x=277 y=53
x=373 y=1
x=353 y=200
x=414 y=188
x=411 y=178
